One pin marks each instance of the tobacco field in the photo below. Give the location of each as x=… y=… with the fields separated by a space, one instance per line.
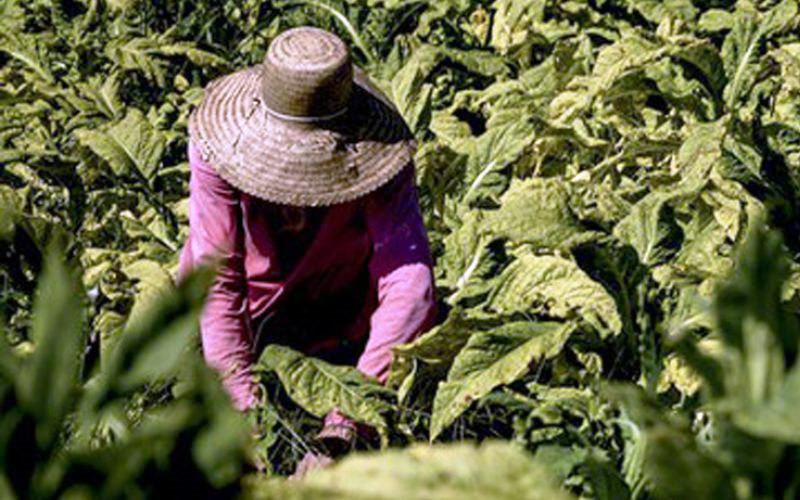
x=612 y=195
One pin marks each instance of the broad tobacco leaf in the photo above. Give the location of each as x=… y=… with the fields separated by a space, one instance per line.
x=613 y=62
x=699 y=155
x=715 y=21
x=28 y=50
x=131 y=146
x=535 y=211
x=9 y=207
x=656 y=10
x=320 y=387
x=153 y=281
x=46 y=384
x=438 y=347
x=651 y=229
x=411 y=93
x=776 y=419
x=493 y=358
x=147 y=54
x=512 y=22
x=105 y=93
x=742 y=49
x=556 y=287
x=453 y=471
x=490 y=152
x=467 y=260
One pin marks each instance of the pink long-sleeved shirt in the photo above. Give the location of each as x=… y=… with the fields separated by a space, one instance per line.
x=381 y=233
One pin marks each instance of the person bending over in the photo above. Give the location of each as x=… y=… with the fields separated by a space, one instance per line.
x=302 y=192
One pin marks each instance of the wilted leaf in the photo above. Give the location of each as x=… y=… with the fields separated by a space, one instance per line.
x=437 y=347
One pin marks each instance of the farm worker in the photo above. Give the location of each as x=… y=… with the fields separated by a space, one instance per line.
x=302 y=190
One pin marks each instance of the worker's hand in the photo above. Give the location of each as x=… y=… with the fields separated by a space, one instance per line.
x=338 y=430
x=311 y=461
x=337 y=437
x=333 y=443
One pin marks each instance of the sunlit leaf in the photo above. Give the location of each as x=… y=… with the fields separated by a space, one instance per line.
x=490 y=359
x=493 y=470
x=320 y=387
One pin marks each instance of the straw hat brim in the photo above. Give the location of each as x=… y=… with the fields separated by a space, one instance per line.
x=300 y=164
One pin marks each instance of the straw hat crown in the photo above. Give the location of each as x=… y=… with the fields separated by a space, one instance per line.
x=307 y=74
x=305 y=128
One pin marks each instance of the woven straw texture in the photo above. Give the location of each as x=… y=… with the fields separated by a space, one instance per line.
x=256 y=126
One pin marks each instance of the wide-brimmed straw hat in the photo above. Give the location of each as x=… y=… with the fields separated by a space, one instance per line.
x=305 y=128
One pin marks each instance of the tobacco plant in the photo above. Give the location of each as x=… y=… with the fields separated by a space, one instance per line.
x=589 y=171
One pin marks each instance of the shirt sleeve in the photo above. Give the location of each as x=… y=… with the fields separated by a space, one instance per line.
x=401 y=266
x=216 y=237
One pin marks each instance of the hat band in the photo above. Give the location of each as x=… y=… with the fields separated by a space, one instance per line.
x=305 y=119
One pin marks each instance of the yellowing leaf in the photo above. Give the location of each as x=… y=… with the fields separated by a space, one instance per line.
x=448 y=472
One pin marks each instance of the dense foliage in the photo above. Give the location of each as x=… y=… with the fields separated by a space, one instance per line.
x=588 y=169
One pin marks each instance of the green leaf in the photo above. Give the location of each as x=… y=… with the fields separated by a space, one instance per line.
x=105 y=93
x=675 y=464
x=535 y=211
x=28 y=50
x=410 y=92
x=656 y=10
x=438 y=347
x=155 y=346
x=651 y=229
x=699 y=155
x=513 y=22
x=220 y=446
x=775 y=419
x=716 y=20
x=556 y=287
x=47 y=383
x=129 y=146
x=743 y=47
x=678 y=469
x=740 y=54
x=467 y=262
x=491 y=359
x=463 y=471
x=9 y=208
x=320 y=387
x=752 y=321
x=146 y=54
x=152 y=283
